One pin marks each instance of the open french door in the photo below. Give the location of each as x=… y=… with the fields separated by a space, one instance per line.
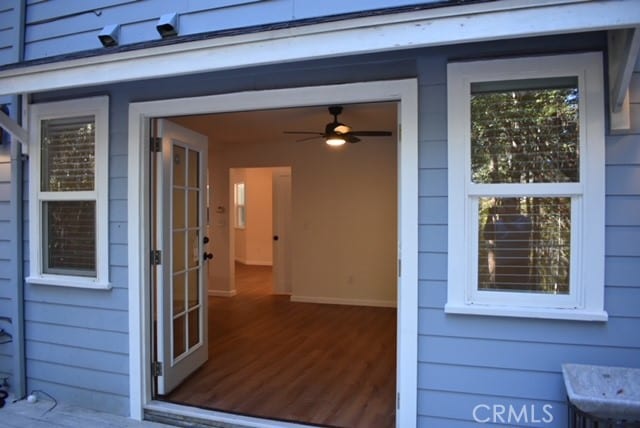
x=180 y=218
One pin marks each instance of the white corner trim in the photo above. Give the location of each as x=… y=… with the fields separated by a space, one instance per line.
x=344 y=301
x=222 y=293
x=415 y=29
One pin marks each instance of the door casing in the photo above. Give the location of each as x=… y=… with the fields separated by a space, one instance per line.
x=405 y=92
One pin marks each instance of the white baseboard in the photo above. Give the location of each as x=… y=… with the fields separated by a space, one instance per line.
x=255 y=262
x=342 y=301
x=222 y=293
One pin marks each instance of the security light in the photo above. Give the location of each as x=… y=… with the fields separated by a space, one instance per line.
x=168 y=25
x=109 y=35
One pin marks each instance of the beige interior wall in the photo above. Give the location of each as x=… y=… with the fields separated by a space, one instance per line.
x=254 y=245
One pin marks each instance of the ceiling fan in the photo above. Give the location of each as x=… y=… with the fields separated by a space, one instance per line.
x=336 y=133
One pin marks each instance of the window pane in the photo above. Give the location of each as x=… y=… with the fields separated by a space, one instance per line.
x=70 y=237
x=68 y=154
x=525 y=134
x=524 y=244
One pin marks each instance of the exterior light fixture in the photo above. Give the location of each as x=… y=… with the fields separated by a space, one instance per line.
x=109 y=35
x=168 y=25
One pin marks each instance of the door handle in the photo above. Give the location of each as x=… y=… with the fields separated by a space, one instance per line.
x=276 y=237
x=205 y=240
x=207 y=256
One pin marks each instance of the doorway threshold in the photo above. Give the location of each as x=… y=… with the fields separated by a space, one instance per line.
x=194 y=417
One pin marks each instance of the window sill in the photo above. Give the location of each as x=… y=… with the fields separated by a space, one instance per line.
x=69 y=281
x=542 y=313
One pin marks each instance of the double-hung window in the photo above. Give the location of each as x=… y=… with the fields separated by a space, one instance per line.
x=68 y=194
x=526 y=187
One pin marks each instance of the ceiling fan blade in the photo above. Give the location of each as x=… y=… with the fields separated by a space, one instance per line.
x=371 y=133
x=315 y=137
x=303 y=132
x=350 y=138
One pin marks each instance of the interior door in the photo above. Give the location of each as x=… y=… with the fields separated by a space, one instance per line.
x=281 y=230
x=181 y=294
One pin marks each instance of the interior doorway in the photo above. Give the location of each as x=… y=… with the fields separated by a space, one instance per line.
x=261 y=218
x=402 y=90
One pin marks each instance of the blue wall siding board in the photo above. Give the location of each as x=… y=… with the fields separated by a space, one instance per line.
x=117 y=210
x=118 y=255
x=5 y=191
x=518 y=355
x=434 y=237
x=432 y=266
x=108 y=341
x=622 y=179
x=622 y=241
x=432 y=210
x=493 y=381
x=616 y=332
x=433 y=182
x=622 y=211
x=90 y=318
x=118 y=188
x=109 y=362
x=118 y=167
x=92 y=380
x=617 y=300
x=118 y=232
x=432 y=154
x=432 y=294
x=622 y=150
x=4 y=211
x=622 y=271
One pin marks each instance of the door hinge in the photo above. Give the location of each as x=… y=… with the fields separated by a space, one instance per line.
x=155 y=144
x=156 y=369
x=398 y=401
x=156 y=257
x=399 y=267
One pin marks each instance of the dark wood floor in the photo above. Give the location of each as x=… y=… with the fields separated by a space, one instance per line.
x=329 y=365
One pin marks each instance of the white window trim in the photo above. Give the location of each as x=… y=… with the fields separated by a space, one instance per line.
x=99 y=107
x=240 y=225
x=586 y=301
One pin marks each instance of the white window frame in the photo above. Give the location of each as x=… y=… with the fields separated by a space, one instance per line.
x=586 y=298
x=99 y=108
x=240 y=206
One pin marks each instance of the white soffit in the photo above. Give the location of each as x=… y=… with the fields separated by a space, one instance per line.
x=430 y=27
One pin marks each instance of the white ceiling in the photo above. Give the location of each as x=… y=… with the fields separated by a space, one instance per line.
x=269 y=125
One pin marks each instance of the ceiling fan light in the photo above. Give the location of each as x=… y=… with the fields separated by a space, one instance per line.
x=335 y=140
x=341 y=128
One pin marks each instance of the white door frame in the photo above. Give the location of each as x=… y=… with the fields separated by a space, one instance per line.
x=404 y=91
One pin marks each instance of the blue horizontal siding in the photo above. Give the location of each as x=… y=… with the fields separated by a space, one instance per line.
x=444 y=408
x=9 y=28
x=54 y=29
x=468 y=360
